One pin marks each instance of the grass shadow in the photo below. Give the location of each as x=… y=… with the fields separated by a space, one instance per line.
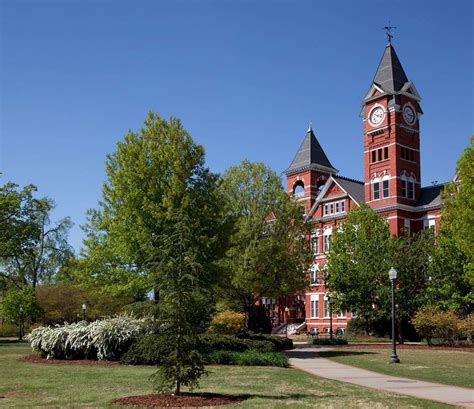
x=335 y=354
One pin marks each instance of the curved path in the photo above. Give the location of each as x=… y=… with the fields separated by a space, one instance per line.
x=306 y=358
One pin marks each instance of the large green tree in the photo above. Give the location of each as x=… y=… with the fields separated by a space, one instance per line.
x=32 y=247
x=458 y=214
x=269 y=251
x=359 y=260
x=153 y=175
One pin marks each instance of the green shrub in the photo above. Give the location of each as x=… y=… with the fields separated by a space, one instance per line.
x=280 y=343
x=430 y=322
x=328 y=341
x=144 y=351
x=7 y=329
x=227 y=322
x=217 y=342
x=248 y=358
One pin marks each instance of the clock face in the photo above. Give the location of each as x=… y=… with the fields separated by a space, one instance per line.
x=376 y=116
x=409 y=115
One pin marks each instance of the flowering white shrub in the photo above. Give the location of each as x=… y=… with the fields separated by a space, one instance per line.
x=105 y=339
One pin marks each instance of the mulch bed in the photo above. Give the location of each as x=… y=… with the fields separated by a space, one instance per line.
x=35 y=359
x=178 y=401
x=410 y=346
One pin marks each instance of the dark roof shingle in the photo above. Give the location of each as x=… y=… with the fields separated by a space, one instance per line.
x=310 y=153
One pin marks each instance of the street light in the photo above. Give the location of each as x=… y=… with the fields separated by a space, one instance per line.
x=286 y=320
x=328 y=298
x=392 y=274
x=21 y=324
x=84 y=308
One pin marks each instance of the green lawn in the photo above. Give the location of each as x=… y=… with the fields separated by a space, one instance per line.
x=25 y=385
x=447 y=367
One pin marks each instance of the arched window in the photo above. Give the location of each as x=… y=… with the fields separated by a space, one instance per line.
x=313 y=274
x=386 y=186
x=298 y=188
x=376 y=189
x=411 y=187
x=404 y=186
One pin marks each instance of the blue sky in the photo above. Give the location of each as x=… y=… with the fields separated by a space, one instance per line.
x=245 y=77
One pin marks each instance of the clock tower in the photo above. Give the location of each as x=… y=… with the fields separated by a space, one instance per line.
x=391 y=112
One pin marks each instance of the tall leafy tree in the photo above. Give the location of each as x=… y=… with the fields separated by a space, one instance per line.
x=358 y=263
x=458 y=215
x=32 y=247
x=153 y=175
x=268 y=253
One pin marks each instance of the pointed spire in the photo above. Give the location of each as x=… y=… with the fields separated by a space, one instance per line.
x=310 y=155
x=390 y=75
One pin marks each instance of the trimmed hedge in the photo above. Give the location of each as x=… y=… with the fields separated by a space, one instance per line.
x=146 y=351
x=280 y=343
x=248 y=358
x=328 y=341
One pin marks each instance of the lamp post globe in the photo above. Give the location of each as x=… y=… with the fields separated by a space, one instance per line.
x=84 y=308
x=392 y=274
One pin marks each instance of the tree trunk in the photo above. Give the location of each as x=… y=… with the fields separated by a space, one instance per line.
x=367 y=328
x=178 y=388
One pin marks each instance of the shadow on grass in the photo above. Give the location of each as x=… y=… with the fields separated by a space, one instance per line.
x=10 y=341
x=310 y=354
x=335 y=354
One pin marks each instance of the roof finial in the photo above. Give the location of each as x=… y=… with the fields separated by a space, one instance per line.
x=310 y=129
x=388 y=32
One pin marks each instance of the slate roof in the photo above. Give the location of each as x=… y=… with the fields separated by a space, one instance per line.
x=310 y=155
x=430 y=196
x=390 y=75
x=354 y=188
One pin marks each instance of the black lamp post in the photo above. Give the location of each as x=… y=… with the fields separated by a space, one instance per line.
x=21 y=324
x=393 y=278
x=84 y=308
x=328 y=298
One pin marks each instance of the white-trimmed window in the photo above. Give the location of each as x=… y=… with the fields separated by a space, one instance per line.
x=376 y=189
x=315 y=242
x=354 y=314
x=429 y=224
x=341 y=314
x=334 y=208
x=313 y=274
x=326 y=242
x=385 y=186
x=326 y=309
x=407 y=226
x=314 y=304
x=411 y=188
x=404 y=186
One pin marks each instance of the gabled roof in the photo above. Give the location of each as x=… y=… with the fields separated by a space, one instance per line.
x=430 y=196
x=310 y=155
x=354 y=188
x=390 y=75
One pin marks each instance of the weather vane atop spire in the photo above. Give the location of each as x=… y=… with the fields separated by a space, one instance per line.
x=388 y=32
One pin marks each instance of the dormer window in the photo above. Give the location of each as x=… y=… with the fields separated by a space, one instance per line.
x=334 y=208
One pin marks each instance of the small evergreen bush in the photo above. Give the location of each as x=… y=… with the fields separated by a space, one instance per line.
x=248 y=358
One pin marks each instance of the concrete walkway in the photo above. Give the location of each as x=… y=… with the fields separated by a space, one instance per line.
x=306 y=358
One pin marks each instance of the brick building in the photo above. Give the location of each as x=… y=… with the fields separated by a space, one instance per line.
x=390 y=113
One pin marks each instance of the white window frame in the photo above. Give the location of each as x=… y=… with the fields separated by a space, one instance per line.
x=314 y=306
